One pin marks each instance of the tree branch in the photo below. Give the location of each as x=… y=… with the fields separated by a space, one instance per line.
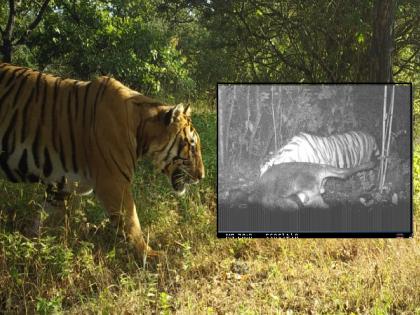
x=72 y=12
x=10 y=21
x=406 y=62
x=34 y=23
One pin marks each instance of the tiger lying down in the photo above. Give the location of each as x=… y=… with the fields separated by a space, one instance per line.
x=87 y=135
x=290 y=186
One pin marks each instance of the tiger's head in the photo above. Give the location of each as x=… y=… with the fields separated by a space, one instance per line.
x=178 y=148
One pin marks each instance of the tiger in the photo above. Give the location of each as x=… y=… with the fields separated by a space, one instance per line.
x=86 y=136
x=346 y=150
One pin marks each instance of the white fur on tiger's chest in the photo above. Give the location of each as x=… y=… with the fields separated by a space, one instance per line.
x=21 y=166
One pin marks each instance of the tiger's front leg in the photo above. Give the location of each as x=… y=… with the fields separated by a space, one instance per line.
x=118 y=201
x=54 y=205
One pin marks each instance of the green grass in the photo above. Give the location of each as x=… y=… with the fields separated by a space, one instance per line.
x=80 y=266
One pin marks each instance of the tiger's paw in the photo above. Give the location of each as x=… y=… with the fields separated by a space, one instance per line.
x=146 y=253
x=152 y=253
x=150 y=258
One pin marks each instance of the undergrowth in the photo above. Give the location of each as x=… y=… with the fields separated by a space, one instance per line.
x=78 y=265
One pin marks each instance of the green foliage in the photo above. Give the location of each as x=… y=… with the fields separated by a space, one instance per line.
x=416 y=173
x=125 y=40
x=165 y=303
x=205 y=124
x=51 y=306
x=416 y=118
x=288 y=40
x=291 y=40
x=181 y=49
x=45 y=254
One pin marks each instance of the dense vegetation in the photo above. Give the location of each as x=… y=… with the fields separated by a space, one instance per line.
x=178 y=50
x=182 y=46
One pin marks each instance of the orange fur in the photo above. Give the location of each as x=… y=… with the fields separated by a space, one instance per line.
x=89 y=135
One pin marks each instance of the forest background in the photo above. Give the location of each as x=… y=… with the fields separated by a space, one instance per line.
x=178 y=51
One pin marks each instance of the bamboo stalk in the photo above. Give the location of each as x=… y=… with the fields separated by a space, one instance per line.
x=280 y=115
x=383 y=140
x=274 y=119
x=391 y=114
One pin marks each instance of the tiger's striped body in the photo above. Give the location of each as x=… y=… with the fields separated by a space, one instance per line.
x=88 y=135
x=43 y=136
x=346 y=150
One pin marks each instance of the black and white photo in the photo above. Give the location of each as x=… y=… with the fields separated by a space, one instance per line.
x=314 y=158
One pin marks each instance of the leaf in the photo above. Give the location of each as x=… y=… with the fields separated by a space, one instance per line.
x=360 y=38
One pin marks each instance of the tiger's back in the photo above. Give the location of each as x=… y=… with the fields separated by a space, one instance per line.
x=44 y=121
x=343 y=150
x=52 y=128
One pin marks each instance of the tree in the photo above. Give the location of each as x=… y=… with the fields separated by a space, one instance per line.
x=82 y=39
x=299 y=41
x=382 y=41
x=291 y=40
x=14 y=34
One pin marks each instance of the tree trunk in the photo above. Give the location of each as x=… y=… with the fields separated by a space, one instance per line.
x=228 y=142
x=6 y=50
x=257 y=120
x=9 y=39
x=220 y=90
x=382 y=41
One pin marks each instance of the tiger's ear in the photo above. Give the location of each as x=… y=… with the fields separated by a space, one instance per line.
x=174 y=113
x=187 y=110
x=182 y=109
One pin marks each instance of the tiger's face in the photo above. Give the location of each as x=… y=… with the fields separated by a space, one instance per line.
x=182 y=162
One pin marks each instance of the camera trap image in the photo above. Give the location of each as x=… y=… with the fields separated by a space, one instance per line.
x=314 y=158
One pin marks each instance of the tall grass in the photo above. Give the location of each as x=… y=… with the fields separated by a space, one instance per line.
x=80 y=266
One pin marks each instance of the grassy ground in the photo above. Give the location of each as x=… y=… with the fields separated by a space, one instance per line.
x=79 y=265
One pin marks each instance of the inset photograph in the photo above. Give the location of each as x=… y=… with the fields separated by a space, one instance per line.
x=321 y=160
